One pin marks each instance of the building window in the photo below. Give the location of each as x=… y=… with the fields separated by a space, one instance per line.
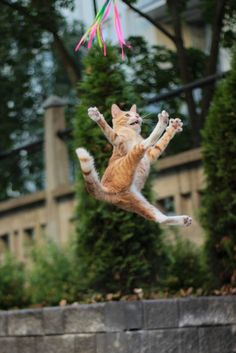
x=29 y=236
x=43 y=230
x=16 y=242
x=186 y=195
x=4 y=243
x=167 y=205
x=201 y=194
x=186 y=203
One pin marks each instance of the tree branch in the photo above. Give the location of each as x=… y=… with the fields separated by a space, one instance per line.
x=24 y=11
x=68 y=62
x=149 y=19
x=185 y=74
x=211 y=66
x=72 y=71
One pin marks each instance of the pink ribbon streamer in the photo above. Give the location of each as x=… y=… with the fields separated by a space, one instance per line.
x=119 y=33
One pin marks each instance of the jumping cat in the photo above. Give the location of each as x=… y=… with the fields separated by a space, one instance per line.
x=129 y=165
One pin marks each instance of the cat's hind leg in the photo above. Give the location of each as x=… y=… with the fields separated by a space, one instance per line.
x=119 y=176
x=135 y=202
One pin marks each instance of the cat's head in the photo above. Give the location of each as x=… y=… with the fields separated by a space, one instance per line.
x=129 y=118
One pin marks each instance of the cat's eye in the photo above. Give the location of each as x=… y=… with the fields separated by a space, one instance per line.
x=127 y=114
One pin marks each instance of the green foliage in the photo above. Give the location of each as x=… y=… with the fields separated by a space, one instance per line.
x=118 y=251
x=219 y=200
x=186 y=267
x=16 y=54
x=228 y=35
x=152 y=67
x=154 y=70
x=31 y=70
x=197 y=61
x=12 y=284
x=52 y=275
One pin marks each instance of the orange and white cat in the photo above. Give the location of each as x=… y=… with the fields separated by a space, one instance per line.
x=129 y=165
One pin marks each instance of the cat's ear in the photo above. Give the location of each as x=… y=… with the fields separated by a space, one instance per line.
x=115 y=110
x=133 y=108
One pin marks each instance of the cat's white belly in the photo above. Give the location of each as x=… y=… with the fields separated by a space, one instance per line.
x=133 y=142
x=141 y=173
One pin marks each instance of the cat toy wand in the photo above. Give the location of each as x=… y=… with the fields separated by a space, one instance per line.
x=95 y=30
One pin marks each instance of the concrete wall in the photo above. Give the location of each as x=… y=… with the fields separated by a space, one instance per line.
x=29 y=218
x=192 y=325
x=26 y=220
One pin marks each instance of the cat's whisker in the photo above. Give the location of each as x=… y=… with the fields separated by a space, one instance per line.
x=146 y=115
x=148 y=121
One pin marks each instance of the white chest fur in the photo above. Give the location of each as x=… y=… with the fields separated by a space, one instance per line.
x=142 y=172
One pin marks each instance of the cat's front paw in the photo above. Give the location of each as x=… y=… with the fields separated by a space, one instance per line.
x=177 y=124
x=163 y=118
x=94 y=114
x=187 y=221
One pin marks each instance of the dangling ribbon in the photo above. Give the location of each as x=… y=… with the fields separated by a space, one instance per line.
x=96 y=29
x=119 y=34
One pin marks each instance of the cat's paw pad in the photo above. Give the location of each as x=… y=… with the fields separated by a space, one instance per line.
x=177 y=124
x=187 y=221
x=94 y=114
x=163 y=117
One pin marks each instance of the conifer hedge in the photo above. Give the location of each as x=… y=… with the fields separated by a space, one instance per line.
x=117 y=251
x=219 y=200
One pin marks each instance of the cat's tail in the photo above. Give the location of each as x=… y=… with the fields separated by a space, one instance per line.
x=90 y=174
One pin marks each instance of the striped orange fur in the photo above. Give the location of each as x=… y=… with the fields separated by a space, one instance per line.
x=129 y=165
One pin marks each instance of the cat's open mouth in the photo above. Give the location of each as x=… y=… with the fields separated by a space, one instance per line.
x=135 y=122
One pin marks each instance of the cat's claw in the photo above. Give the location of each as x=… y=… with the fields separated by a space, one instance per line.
x=163 y=117
x=94 y=114
x=177 y=124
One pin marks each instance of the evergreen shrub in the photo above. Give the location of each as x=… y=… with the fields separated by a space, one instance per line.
x=219 y=199
x=117 y=250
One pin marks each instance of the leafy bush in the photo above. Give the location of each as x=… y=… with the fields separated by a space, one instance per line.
x=186 y=266
x=52 y=275
x=12 y=284
x=55 y=274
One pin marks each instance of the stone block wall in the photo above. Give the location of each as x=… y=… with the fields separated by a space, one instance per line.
x=191 y=325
